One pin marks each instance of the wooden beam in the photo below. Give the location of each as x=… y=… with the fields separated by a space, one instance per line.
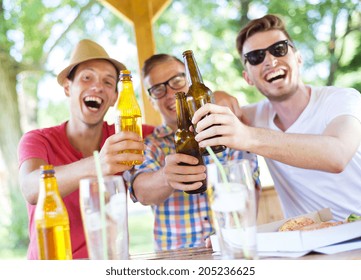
x=121 y=8
x=158 y=6
x=141 y=14
x=142 y=20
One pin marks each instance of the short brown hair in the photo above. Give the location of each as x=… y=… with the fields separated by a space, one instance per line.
x=266 y=23
x=155 y=60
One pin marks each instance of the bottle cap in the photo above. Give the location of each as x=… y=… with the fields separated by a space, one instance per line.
x=180 y=94
x=187 y=52
x=125 y=73
x=47 y=169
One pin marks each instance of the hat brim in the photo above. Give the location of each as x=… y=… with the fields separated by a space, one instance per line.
x=64 y=74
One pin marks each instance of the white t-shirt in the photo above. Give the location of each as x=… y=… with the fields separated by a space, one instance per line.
x=302 y=190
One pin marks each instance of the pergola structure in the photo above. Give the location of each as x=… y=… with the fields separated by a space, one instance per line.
x=141 y=14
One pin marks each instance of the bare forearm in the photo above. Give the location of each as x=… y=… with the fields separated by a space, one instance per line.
x=152 y=188
x=67 y=176
x=319 y=152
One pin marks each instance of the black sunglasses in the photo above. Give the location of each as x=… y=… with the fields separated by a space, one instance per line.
x=278 y=49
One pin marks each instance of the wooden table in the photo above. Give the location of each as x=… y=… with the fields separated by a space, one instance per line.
x=203 y=253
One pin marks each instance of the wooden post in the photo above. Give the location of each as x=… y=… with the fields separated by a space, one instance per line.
x=141 y=14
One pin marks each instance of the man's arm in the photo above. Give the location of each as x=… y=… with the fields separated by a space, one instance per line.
x=152 y=188
x=330 y=151
x=68 y=176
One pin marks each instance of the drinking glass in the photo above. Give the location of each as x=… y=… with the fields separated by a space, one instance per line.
x=233 y=203
x=105 y=217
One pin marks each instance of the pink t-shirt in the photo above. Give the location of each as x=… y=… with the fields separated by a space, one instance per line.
x=52 y=145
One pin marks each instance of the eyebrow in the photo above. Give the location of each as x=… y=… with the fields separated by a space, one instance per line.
x=108 y=74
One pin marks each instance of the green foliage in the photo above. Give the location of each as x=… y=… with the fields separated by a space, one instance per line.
x=17 y=234
x=140 y=232
x=53 y=113
x=13 y=233
x=210 y=29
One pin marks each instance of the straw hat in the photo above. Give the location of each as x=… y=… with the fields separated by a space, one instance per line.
x=87 y=50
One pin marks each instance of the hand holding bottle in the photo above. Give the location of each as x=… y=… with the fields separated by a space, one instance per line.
x=198 y=94
x=185 y=178
x=228 y=131
x=116 y=151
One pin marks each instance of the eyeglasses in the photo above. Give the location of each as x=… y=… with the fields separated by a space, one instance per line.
x=160 y=90
x=278 y=49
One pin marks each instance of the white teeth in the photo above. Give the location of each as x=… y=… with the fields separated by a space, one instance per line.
x=272 y=75
x=94 y=99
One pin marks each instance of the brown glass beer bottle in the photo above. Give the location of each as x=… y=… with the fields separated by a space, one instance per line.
x=198 y=94
x=128 y=116
x=184 y=138
x=51 y=219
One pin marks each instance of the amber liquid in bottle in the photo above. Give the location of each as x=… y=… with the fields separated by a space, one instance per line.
x=184 y=138
x=128 y=115
x=51 y=220
x=198 y=94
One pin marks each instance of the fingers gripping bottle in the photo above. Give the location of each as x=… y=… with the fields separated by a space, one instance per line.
x=128 y=115
x=198 y=94
x=184 y=138
x=51 y=219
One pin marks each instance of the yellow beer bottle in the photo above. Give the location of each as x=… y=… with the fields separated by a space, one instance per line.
x=198 y=94
x=51 y=219
x=184 y=138
x=128 y=115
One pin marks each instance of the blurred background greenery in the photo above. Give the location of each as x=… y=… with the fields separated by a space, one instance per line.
x=36 y=38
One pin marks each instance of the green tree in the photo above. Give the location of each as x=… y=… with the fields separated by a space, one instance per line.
x=321 y=29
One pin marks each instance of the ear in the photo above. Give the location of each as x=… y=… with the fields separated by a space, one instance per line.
x=66 y=86
x=246 y=77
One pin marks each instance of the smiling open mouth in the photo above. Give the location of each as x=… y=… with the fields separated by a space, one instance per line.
x=93 y=102
x=280 y=74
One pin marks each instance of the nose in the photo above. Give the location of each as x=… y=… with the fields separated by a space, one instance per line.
x=97 y=86
x=270 y=60
x=170 y=92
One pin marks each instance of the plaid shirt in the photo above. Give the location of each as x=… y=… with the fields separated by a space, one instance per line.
x=182 y=220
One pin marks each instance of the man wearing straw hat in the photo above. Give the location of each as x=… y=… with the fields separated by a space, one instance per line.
x=90 y=83
x=180 y=220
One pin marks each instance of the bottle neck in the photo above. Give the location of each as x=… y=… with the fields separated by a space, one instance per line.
x=183 y=118
x=193 y=74
x=127 y=103
x=49 y=183
x=126 y=86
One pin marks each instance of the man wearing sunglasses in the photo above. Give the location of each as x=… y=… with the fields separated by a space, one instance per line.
x=180 y=220
x=310 y=136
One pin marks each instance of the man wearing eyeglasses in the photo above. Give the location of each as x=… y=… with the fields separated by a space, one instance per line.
x=310 y=136
x=180 y=220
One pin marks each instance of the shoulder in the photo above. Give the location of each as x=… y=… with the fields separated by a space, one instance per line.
x=333 y=92
x=253 y=112
x=331 y=102
x=44 y=133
